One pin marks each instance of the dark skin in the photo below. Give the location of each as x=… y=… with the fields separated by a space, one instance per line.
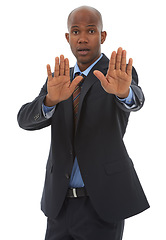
x=85 y=38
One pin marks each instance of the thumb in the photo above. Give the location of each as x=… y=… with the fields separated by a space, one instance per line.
x=101 y=77
x=75 y=82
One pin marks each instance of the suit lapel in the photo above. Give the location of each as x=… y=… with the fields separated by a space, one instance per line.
x=68 y=111
x=102 y=66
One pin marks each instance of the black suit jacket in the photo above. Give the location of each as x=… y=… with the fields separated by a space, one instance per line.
x=106 y=168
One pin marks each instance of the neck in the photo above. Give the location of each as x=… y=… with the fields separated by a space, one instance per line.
x=83 y=66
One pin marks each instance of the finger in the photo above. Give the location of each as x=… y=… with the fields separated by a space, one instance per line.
x=75 y=82
x=123 y=63
x=56 y=69
x=112 y=61
x=67 y=69
x=102 y=78
x=129 y=67
x=99 y=75
x=118 y=58
x=62 y=65
x=49 y=73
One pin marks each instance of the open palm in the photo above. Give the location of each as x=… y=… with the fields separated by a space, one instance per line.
x=59 y=86
x=119 y=76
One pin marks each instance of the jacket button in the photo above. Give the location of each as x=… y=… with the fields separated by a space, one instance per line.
x=67 y=176
x=71 y=152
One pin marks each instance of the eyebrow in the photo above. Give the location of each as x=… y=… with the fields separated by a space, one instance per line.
x=74 y=26
x=90 y=25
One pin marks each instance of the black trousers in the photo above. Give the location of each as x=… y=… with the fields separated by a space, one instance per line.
x=79 y=221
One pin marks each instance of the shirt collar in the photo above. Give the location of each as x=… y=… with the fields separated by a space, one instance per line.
x=76 y=68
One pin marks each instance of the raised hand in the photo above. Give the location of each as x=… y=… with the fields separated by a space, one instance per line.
x=119 y=76
x=60 y=87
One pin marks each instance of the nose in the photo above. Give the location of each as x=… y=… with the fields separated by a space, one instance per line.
x=83 y=38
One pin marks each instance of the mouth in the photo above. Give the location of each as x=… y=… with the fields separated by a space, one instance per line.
x=83 y=51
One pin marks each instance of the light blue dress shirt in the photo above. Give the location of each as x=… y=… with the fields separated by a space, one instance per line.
x=76 y=180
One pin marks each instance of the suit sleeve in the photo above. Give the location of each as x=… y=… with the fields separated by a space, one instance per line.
x=30 y=116
x=138 y=94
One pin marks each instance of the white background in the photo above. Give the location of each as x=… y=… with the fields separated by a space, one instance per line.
x=32 y=35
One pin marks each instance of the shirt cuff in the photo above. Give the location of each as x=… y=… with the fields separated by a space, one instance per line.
x=48 y=111
x=129 y=102
x=129 y=99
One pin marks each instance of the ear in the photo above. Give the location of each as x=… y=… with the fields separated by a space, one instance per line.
x=67 y=36
x=103 y=36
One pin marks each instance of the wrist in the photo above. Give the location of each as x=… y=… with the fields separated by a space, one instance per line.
x=124 y=95
x=49 y=102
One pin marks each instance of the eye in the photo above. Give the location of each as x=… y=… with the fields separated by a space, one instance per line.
x=75 y=32
x=91 y=31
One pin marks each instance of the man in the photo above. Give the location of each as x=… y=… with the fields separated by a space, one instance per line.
x=91 y=185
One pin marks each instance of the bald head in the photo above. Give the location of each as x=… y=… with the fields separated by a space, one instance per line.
x=85 y=35
x=88 y=10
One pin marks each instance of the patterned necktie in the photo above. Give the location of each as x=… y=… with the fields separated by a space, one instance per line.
x=76 y=97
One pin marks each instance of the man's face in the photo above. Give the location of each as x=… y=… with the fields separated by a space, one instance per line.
x=85 y=37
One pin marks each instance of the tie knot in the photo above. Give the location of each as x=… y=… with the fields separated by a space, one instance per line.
x=79 y=74
x=76 y=74
x=82 y=75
